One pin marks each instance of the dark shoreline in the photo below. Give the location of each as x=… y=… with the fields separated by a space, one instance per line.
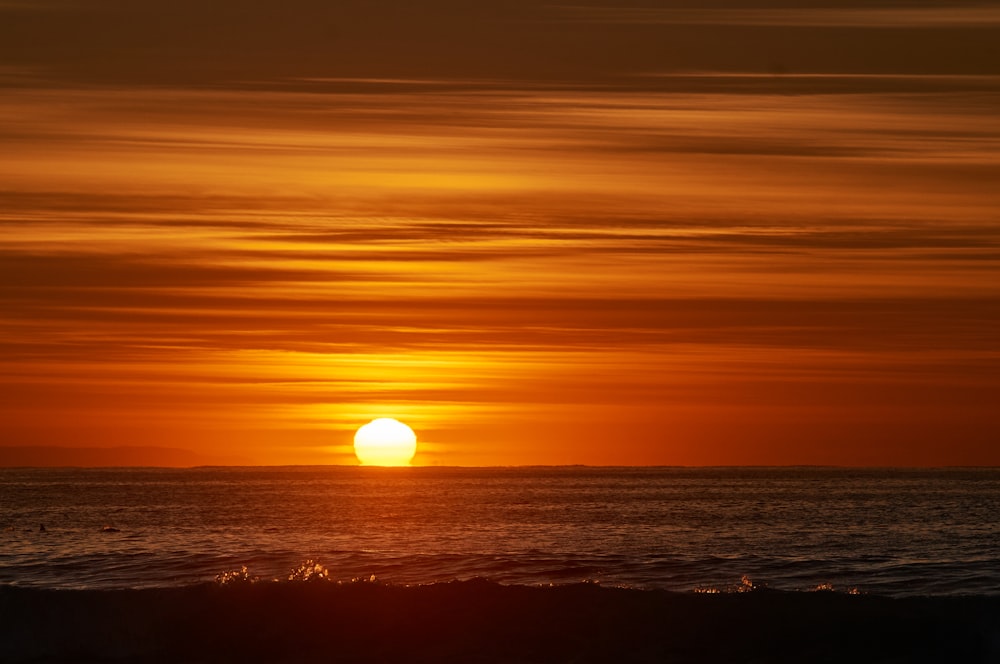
x=479 y=621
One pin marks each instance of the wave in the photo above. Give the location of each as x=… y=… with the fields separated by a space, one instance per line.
x=309 y=617
x=66 y=567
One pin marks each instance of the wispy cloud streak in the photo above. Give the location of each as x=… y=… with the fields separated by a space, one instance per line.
x=953 y=16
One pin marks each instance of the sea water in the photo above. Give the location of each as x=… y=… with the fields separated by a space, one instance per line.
x=887 y=532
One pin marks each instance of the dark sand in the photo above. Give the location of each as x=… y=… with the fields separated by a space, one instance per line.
x=477 y=621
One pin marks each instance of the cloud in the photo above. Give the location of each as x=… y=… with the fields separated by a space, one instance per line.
x=37 y=5
x=967 y=16
x=358 y=46
x=275 y=264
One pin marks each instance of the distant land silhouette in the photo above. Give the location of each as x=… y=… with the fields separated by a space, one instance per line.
x=52 y=456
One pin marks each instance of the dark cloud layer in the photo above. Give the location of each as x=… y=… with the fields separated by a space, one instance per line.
x=243 y=43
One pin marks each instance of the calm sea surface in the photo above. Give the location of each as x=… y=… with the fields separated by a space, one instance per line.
x=893 y=532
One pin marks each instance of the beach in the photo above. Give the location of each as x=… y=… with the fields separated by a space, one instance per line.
x=479 y=621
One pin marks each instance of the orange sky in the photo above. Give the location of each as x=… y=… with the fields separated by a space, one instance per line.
x=680 y=233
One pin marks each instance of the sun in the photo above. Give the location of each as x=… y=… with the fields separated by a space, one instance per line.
x=385 y=442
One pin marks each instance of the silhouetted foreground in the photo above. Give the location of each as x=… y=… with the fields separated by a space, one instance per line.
x=477 y=621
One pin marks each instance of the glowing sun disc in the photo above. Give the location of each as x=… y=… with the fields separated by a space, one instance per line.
x=385 y=442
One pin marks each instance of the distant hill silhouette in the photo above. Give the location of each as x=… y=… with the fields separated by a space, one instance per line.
x=93 y=457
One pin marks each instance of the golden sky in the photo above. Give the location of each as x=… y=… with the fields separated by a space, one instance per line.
x=677 y=233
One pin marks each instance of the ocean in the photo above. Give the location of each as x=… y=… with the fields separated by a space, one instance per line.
x=553 y=564
x=887 y=532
